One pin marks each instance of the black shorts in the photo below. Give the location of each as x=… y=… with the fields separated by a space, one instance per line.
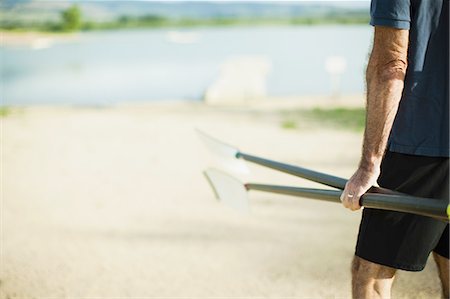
x=402 y=240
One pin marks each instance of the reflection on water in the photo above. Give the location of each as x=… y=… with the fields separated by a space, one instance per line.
x=139 y=65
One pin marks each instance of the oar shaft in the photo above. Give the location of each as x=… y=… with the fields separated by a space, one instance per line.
x=325 y=195
x=403 y=203
x=308 y=174
x=315 y=176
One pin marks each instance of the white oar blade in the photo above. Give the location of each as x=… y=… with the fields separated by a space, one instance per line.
x=225 y=152
x=228 y=189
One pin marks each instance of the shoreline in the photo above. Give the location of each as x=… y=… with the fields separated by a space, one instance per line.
x=35 y=39
x=268 y=103
x=24 y=37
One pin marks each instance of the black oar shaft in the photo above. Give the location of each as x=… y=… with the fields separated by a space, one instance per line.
x=315 y=176
x=403 y=203
x=308 y=174
x=417 y=205
x=326 y=195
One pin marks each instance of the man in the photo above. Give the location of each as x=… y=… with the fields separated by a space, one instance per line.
x=406 y=143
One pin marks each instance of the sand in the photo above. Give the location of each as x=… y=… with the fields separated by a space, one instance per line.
x=34 y=39
x=111 y=203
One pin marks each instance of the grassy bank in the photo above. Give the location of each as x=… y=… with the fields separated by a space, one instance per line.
x=340 y=118
x=4 y=111
x=153 y=21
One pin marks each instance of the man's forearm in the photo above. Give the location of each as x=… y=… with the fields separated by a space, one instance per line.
x=385 y=79
x=383 y=97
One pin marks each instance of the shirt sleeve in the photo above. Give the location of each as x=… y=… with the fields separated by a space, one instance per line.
x=390 y=13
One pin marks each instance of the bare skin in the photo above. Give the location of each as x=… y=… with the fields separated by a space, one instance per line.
x=376 y=279
x=385 y=81
x=443 y=268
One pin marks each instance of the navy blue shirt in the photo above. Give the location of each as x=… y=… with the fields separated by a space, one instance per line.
x=421 y=126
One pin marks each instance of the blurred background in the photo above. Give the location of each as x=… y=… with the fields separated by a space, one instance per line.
x=107 y=52
x=102 y=192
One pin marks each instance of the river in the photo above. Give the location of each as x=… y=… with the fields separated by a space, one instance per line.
x=103 y=68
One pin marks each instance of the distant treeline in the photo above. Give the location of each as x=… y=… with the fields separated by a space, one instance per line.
x=71 y=20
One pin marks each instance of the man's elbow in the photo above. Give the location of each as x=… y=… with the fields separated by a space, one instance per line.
x=392 y=70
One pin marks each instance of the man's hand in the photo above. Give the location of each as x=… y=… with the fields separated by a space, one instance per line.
x=357 y=185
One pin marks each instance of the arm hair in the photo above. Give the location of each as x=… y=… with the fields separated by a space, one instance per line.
x=385 y=77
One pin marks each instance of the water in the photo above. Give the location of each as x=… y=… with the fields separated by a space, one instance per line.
x=104 y=68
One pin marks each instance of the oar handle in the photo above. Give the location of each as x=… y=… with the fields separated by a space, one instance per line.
x=404 y=203
x=431 y=207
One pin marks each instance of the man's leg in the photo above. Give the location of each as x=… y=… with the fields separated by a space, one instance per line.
x=443 y=267
x=370 y=280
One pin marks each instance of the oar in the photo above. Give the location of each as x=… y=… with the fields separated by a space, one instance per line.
x=227 y=151
x=232 y=192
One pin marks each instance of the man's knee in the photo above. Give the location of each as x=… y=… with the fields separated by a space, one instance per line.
x=370 y=280
x=355 y=265
x=363 y=270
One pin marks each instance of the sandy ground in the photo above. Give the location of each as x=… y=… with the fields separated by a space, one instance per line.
x=111 y=203
x=34 y=39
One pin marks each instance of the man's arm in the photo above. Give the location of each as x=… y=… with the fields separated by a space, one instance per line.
x=385 y=79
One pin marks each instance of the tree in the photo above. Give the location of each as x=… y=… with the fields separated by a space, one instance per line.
x=71 y=18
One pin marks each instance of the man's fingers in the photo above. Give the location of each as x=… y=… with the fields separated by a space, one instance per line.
x=354 y=202
x=350 y=200
x=344 y=199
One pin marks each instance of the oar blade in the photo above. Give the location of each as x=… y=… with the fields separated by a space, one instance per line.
x=226 y=153
x=228 y=190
